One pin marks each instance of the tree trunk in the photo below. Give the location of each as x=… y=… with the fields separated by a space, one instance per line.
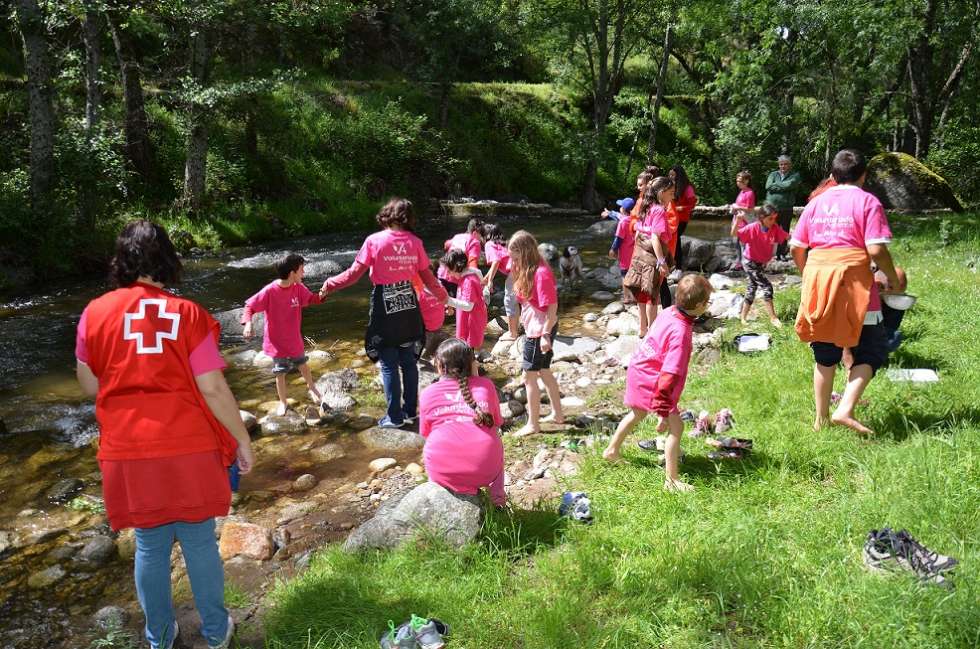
x=658 y=100
x=93 y=60
x=37 y=64
x=195 y=166
x=138 y=150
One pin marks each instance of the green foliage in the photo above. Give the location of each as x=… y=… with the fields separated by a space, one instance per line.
x=957 y=158
x=116 y=637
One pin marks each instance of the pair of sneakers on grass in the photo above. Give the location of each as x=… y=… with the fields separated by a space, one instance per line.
x=417 y=633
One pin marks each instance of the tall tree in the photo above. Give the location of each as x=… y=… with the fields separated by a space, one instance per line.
x=138 y=147
x=196 y=162
x=30 y=21
x=91 y=35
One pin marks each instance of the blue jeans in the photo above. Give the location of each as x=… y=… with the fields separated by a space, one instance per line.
x=204 y=568
x=392 y=360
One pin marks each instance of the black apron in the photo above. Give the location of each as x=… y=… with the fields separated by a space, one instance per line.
x=394 y=319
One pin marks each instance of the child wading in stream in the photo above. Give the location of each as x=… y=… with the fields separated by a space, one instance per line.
x=657 y=373
x=283 y=302
x=759 y=241
x=537 y=292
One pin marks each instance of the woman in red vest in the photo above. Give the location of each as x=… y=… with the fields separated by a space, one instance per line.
x=169 y=427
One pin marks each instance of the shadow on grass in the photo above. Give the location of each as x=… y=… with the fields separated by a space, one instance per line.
x=522 y=532
x=900 y=425
x=902 y=357
x=701 y=467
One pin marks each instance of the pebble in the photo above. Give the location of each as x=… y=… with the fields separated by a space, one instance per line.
x=98 y=551
x=382 y=464
x=305 y=482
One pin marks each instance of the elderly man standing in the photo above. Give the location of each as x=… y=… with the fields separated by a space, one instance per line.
x=781 y=187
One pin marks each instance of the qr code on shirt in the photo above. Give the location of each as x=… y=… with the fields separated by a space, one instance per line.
x=398 y=297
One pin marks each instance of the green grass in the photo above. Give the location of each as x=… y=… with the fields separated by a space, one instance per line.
x=765 y=553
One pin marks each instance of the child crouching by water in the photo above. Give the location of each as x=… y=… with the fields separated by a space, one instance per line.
x=471 y=324
x=657 y=373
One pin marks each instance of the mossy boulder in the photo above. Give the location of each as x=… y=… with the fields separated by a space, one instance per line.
x=900 y=181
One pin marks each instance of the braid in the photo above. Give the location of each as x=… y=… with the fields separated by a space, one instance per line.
x=480 y=418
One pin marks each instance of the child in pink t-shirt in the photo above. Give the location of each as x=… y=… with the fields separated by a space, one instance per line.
x=743 y=207
x=623 y=241
x=283 y=302
x=471 y=243
x=657 y=373
x=654 y=225
x=471 y=324
x=538 y=294
x=759 y=240
x=460 y=421
x=497 y=256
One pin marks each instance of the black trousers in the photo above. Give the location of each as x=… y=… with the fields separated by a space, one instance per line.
x=784 y=218
x=679 y=257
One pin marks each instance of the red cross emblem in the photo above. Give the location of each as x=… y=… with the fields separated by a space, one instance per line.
x=151 y=326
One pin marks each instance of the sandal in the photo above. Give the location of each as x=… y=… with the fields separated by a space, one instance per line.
x=656 y=444
x=726 y=454
x=730 y=443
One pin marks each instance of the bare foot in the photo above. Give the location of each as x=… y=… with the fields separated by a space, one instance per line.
x=661 y=424
x=613 y=457
x=526 y=430
x=820 y=422
x=776 y=323
x=554 y=418
x=676 y=486
x=744 y=320
x=852 y=423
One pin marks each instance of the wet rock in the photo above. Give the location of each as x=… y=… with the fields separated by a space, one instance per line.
x=590 y=317
x=251 y=421
x=574 y=349
x=337 y=401
x=603 y=228
x=428 y=508
x=511 y=409
x=382 y=464
x=231 y=322
x=64 y=490
x=697 y=252
x=602 y=296
x=289 y=424
x=327 y=452
x=47 y=577
x=110 y=617
x=317 y=358
x=719 y=282
x=126 y=544
x=243 y=358
x=305 y=482
x=98 y=551
x=63 y=552
x=624 y=324
x=391 y=439
x=262 y=360
x=614 y=308
x=245 y=540
x=6 y=541
x=3 y=427
x=341 y=381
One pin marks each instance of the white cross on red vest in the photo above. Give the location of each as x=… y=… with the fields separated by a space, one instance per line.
x=151 y=326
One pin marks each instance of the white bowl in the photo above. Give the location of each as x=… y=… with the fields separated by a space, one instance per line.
x=900 y=301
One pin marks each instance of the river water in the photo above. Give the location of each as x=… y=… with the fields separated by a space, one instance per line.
x=50 y=425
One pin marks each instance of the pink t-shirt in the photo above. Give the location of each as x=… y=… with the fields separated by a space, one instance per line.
x=471 y=326
x=544 y=293
x=283 y=308
x=745 y=198
x=627 y=239
x=205 y=357
x=759 y=241
x=468 y=242
x=497 y=251
x=666 y=348
x=393 y=256
x=433 y=311
x=442 y=403
x=654 y=223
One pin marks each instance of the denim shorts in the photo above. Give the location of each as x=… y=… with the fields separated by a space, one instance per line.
x=285 y=365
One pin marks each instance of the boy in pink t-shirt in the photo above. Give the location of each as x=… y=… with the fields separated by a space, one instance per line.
x=657 y=373
x=758 y=241
x=283 y=302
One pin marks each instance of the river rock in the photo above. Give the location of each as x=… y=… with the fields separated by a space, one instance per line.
x=622 y=348
x=391 y=439
x=251 y=421
x=262 y=360
x=726 y=255
x=345 y=380
x=501 y=349
x=126 y=543
x=327 y=452
x=590 y=317
x=719 y=282
x=110 y=617
x=289 y=424
x=574 y=349
x=316 y=358
x=428 y=508
x=603 y=228
x=900 y=181
x=245 y=540
x=382 y=464
x=624 y=324
x=64 y=490
x=242 y=358
x=697 y=252
x=6 y=541
x=572 y=402
x=337 y=402
x=305 y=482
x=614 y=308
x=47 y=577
x=98 y=551
x=231 y=322
x=511 y=409
x=414 y=469
x=548 y=250
x=602 y=296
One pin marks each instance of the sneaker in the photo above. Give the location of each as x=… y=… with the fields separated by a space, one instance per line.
x=701 y=425
x=655 y=444
x=429 y=633
x=888 y=551
x=169 y=642
x=723 y=421
x=576 y=505
x=224 y=644
x=386 y=422
x=687 y=416
x=401 y=638
x=408 y=419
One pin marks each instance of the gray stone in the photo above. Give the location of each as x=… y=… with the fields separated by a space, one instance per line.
x=719 y=282
x=110 y=617
x=337 y=402
x=250 y=420
x=327 y=452
x=345 y=380
x=502 y=348
x=902 y=182
x=614 y=308
x=231 y=322
x=305 y=482
x=428 y=508
x=697 y=252
x=574 y=349
x=6 y=541
x=98 y=551
x=64 y=490
x=624 y=324
x=602 y=296
x=622 y=348
x=262 y=360
x=511 y=409
x=47 y=577
x=289 y=424
x=391 y=439
x=590 y=317
x=792 y=280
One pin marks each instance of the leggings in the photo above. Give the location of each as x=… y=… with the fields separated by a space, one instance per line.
x=756 y=279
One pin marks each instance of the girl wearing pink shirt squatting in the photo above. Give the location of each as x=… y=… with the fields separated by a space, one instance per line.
x=471 y=324
x=498 y=257
x=283 y=302
x=657 y=373
x=758 y=240
x=460 y=421
x=537 y=292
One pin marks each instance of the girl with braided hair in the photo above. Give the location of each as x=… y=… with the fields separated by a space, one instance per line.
x=460 y=421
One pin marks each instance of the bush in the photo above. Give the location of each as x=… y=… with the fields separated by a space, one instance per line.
x=956 y=157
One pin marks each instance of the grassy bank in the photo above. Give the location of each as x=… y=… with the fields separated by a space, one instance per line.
x=765 y=553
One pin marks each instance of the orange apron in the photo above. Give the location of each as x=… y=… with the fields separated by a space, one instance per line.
x=835 y=294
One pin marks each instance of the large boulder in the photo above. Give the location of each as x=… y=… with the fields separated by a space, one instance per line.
x=603 y=228
x=231 y=322
x=291 y=423
x=902 y=182
x=391 y=439
x=574 y=349
x=697 y=252
x=428 y=508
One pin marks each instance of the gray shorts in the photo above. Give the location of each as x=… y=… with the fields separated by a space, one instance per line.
x=511 y=308
x=285 y=365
